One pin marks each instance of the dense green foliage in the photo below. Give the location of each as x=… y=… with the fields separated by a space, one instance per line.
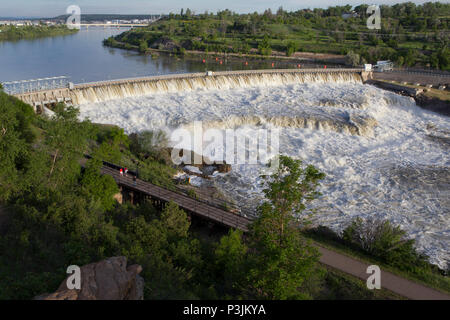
x=59 y=213
x=384 y=241
x=410 y=34
x=56 y=210
x=284 y=259
x=31 y=32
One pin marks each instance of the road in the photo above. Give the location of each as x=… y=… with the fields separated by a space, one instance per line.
x=404 y=287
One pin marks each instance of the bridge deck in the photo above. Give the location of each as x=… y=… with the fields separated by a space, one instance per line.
x=194 y=206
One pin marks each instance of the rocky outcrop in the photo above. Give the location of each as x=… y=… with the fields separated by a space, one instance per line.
x=433 y=104
x=108 y=279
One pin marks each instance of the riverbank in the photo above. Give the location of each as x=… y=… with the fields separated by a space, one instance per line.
x=297 y=59
x=427 y=97
x=12 y=33
x=290 y=34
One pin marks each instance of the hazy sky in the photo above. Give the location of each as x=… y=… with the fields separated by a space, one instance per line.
x=50 y=8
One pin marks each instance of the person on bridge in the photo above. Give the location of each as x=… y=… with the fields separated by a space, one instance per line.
x=121 y=171
x=126 y=171
x=134 y=180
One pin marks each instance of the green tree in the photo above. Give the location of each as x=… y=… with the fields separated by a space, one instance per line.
x=291 y=48
x=353 y=58
x=143 y=46
x=175 y=222
x=231 y=263
x=282 y=261
x=15 y=139
x=101 y=187
x=66 y=140
x=385 y=241
x=264 y=46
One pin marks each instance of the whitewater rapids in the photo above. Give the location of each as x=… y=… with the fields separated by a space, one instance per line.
x=383 y=156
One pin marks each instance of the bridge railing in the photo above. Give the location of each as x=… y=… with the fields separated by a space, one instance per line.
x=34 y=85
x=217 y=203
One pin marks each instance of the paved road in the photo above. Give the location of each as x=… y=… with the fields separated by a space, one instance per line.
x=396 y=284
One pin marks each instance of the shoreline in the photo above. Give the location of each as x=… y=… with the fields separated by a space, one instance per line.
x=297 y=57
x=425 y=97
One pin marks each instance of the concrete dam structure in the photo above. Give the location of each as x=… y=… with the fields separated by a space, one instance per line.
x=117 y=89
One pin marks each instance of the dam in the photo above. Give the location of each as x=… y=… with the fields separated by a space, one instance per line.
x=102 y=91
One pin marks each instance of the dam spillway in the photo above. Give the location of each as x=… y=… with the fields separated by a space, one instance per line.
x=134 y=87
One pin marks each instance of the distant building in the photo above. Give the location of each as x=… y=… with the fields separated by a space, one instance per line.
x=352 y=14
x=385 y=65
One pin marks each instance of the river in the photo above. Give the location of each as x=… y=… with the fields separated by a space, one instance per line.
x=83 y=58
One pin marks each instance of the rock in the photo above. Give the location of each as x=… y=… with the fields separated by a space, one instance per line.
x=108 y=279
x=433 y=104
x=224 y=168
x=118 y=197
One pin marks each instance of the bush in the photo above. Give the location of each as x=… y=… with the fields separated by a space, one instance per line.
x=384 y=241
x=291 y=48
x=143 y=47
x=353 y=59
x=264 y=47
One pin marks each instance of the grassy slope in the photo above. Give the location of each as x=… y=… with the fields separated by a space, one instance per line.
x=310 y=37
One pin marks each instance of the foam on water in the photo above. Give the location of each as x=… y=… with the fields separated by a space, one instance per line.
x=395 y=165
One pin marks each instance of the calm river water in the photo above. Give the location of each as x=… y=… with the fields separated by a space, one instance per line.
x=83 y=58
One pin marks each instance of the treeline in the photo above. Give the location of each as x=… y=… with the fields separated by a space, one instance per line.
x=12 y=33
x=410 y=34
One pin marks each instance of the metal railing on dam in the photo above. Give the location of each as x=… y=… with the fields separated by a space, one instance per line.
x=100 y=91
x=34 y=85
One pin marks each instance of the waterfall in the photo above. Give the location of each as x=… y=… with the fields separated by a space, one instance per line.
x=129 y=88
x=346 y=123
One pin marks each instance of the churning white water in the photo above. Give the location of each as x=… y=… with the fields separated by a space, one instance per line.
x=383 y=156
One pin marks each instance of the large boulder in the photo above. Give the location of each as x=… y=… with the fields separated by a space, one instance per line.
x=108 y=279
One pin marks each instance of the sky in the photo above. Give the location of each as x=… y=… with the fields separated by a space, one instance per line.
x=52 y=8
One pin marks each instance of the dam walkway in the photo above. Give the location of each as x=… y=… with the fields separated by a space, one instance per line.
x=401 y=286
